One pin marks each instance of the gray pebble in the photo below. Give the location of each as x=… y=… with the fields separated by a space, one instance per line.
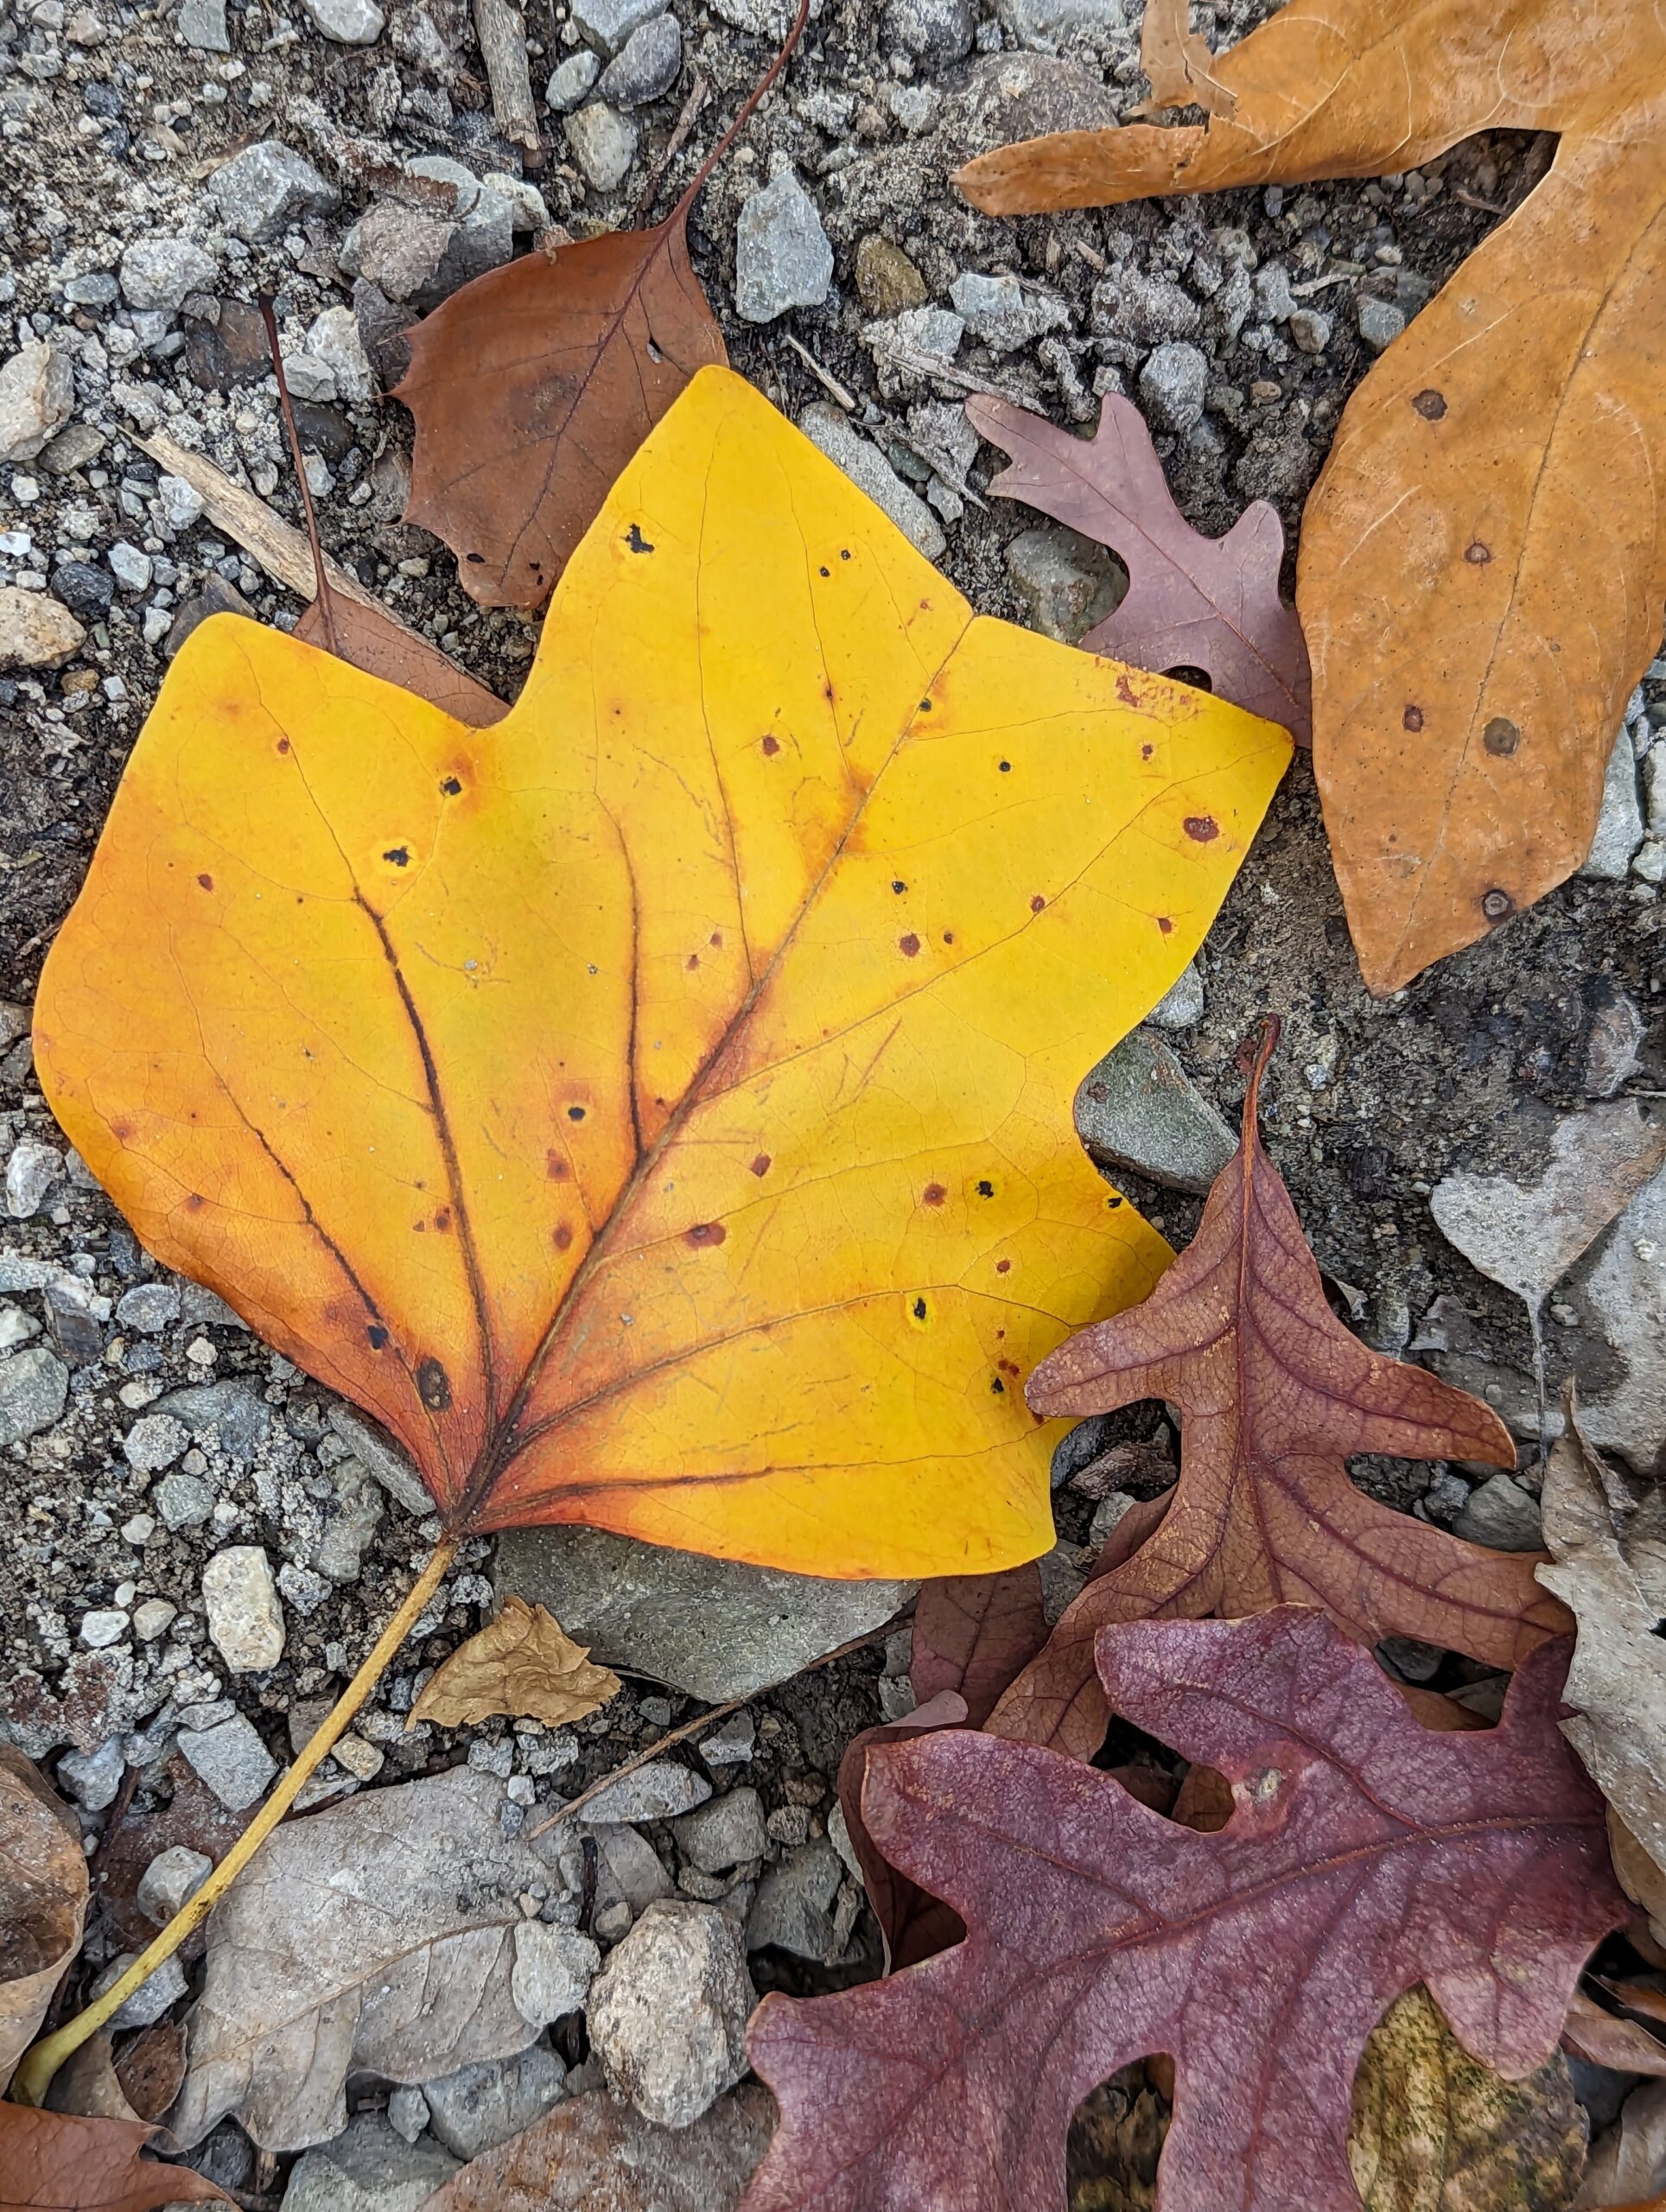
x=603 y=143
x=480 y=2106
x=183 y=1501
x=1310 y=329
x=1139 y=1109
x=934 y=32
x=647 y=66
x=93 y=1778
x=34 y=1385
x=782 y=257
x=231 y=1760
x=265 y=188
x=1380 y=321
x=655 y=1792
x=150 y=1307
x=154 y=1442
x=1501 y=1514
x=867 y=466
x=1172 y=384
x=723 y=1832
x=569 y=83
x=171 y=1880
x=606 y=24
x=160 y=272
x=201 y=23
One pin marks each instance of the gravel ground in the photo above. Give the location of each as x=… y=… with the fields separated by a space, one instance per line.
x=1241 y=324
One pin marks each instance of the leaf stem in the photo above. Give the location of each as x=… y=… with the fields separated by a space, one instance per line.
x=326 y=603
x=34 y=2076
x=749 y=108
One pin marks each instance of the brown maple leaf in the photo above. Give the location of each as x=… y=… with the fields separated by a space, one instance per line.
x=1276 y=1396
x=1193 y=601
x=56 y=2162
x=1483 y=560
x=1364 y=1854
x=533 y=386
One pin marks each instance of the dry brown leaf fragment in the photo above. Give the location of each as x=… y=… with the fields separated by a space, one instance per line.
x=523 y=1664
x=1483 y=559
x=1178 y=62
x=1193 y=601
x=596 y=2153
x=1435 y=2131
x=1603 y=2039
x=53 y=2162
x=43 y=1894
x=371 y=639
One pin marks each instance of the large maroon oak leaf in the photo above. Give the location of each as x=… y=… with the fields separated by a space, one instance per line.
x=1364 y=1854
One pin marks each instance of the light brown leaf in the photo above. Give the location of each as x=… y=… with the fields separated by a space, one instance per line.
x=1603 y=2039
x=1193 y=601
x=523 y=1664
x=1483 y=560
x=87 y=2085
x=1627 y=2171
x=51 y=2162
x=1435 y=2131
x=373 y=640
x=1179 y=62
x=1275 y=1395
x=43 y=1891
x=596 y=2153
x=533 y=386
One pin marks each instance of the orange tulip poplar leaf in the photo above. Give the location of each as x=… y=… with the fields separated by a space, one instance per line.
x=1364 y=1855
x=656 y=1110
x=1193 y=601
x=1178 y=62
x=1483 y=559
x=53 y=2162
x=1276 y=1396
x=533 y=386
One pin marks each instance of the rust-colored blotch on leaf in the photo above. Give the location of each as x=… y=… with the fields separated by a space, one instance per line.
x=559 y=1091
x=1276 y=1396
x=1483 y=560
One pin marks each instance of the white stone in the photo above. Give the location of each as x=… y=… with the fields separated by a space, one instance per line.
x=31 y=1172
x=154 y=1442
x=162 y=272
x=265 y=188
x=333 y=340
x=132 y=568
x=231 y=1759
x=103 y=1627
x=1182 y=1003
x=1620 y=825
x=667 y=2015
x=36 y=631
x=867 y=466
x=782 y=257
x=570 y=82
x=171 y=1880
x=153 y=1618
x=181 y=503
x=349 y=23
x=246 y=1620
x=37 y=395
x=553 y=1970
x=603 y=143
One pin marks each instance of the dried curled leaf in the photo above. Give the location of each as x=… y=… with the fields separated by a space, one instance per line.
x=533 y=386
x=43 y=1894
x=1178 y=62
x=1483 y=560
x=1607 y=2039
x=1364 y=1854
x=53 y=2162
x=1435 y=2131
x=656 y=1110
x=1193 y=601
x=1276 y=1396
x=523 y=1664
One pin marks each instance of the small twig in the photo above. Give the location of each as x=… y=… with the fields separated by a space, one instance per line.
x=326 y=607
x=922 y=364
x=699 y=94
x=687 y=1728
x=829 y=382
x=1474 y=200
x=503 y=44
x=34 y=2076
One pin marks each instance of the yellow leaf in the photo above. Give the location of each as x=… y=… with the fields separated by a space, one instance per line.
x=657 y=1108
x=523 y=1664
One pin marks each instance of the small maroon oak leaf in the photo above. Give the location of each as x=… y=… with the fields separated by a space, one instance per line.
x=1193 y=601
x=1364 y=1854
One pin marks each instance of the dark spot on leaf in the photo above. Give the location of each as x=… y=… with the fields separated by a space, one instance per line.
x=555 y=1166
x=1146 y=751
x=1003 y=1267
x=706 y=1232
x=562 y=1236
x=934 y=1194
x=1037 y=903
x=1113 y=1200
x=985 y=1188
x=772 y=746
x=400 y=855
x=920 y=1309
x=925 y=706
x=636 y=540
x=844 y=553
x=1005 y=766
x=475 y=556
x=451 y=787
x=378 y=1335
x=575 y=1113
x=1411 y=719
x=948 y=936
x=434 y=1386
x=1007 y=1366
x=282 y=744
x=442 y=1220
x=692 y=962
x=1496 y=904
x=1501 y=736
x=1165 y=924
x=899 y=887
x=206 y=882
x=823 y=572
x=1201 y=828
x=997 y=1387
x=910 y=945
x=760 y=1165
x=1478 y=555
x=1430 y=404
x=716 y=940
x=194 y=1203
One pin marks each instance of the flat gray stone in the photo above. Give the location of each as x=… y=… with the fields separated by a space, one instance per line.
x=714 y=1628
x=265 y=188
x=231 y=1415
x=1500 y=1514
x=658 y=1791
x=553 y=1970
x=382 y=1458
x=34 y=1385
x=606 y=24
x=150 y=1307
x=232 y=1761
x=1380 y=322
x=723 y=1832
x=201 y=23
x=348 y=22
x=1067 y=583
x=1620 y=825
x=603 y=143
x=183 y=1501
x=782 y=257
x=647 y=66
x=160 y=272
x=571 y=82
x=1182 y=1004
x=1004 y=312
x=793 y=1909
x=1171 y=385
x=93 y=1778
x=368 y=2168
x=1626 y=1291
x=37 y=397
x=1139 y=1109
x=629 y=1872
x=480 y=2106
x=867 y=468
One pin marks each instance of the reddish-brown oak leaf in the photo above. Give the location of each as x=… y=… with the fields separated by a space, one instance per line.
x=1193 y=601
x=53 y=2161
x=973 y=1633
x=1364 y=1855
x=914 y=1924
x=1275 y=1395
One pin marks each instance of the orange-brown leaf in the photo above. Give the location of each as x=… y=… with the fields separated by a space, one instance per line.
x=523 y=1664
x=1275 y=1395
x=1178 y=62
x=52 y=2161
x=533 y=386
